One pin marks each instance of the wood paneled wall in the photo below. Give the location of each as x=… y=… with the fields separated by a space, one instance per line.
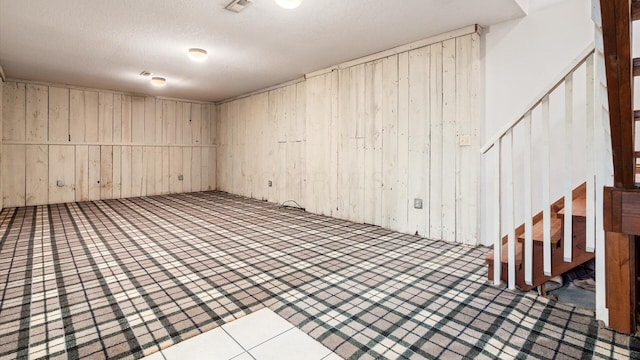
x=362 y=142
x=64 y=144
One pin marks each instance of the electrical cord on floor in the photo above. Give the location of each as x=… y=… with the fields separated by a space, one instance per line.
x=298 y=206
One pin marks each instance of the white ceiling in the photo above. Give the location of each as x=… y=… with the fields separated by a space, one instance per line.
x=105 y=44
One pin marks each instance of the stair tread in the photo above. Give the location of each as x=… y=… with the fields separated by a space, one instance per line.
x=636 y=66
x=579 y=207
x=505 y=255
x=538 y=231
x=636 y=115
x=635 y=10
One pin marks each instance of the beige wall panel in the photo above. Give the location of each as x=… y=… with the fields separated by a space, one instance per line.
x=117 y=172
x=137 y=119
x=196 y=169
x=14 y=102
x=175 y=169
x=117 y=118
x=196 y=124
x=186 y=124
x=37 y=174
x=186 y=169
x=125 y=175
x=419 y=135
x=138 y=177
x=105 y=117
x=126 y=119
x=76 y=115
x=82 y=173
x=106 y=172
x=14 y=175
x=390 y=142
x=166 y=173
x=58 y=114
x=149 y=164
x=91 y=110
x=94 y=173
x=169 y=111
x=37 y=113
x=62 y=174
x=149 y=120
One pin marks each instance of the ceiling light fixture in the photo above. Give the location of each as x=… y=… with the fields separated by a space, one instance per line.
x=288 y=4
x=196 y=54
x=158 y=81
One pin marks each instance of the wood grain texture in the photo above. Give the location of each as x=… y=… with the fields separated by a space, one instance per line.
x=37 y=174
x=37 y=112
x=58 y=114
x=62 y=175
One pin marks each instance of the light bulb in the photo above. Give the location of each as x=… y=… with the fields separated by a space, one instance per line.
x=158 y=81
x=288 y=4
x=196 y=54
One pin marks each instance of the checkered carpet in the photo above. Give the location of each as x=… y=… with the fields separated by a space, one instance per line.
x=125 y=278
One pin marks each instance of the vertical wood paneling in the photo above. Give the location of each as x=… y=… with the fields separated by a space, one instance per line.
x=467 y=156
x=105 y=117
x=186 y=169
x=94 y=173
x=165 y=169
x=117 y=172
x=390 y=142
x=196 y=168
x=82 y=173
x=436 y=143
x=58 y=114
x=125 y=175
x=106 y=172
x=149 y=120
x=91 y=101
x=94 y=165
x=37 y=113
x=403 y=143
x=13 y=111
x=373 y=143
x=76 y=115
x=37 y=175
x=117 y=118
x=175 y=169
x=63 y=156
x=14 y=175
x=137 y=121
x=449 y=138
x=126 y=119
x=137 y=171
x=186 y=124
x=419 y=128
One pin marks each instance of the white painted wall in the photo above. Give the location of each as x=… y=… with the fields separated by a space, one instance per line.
x=521 y=59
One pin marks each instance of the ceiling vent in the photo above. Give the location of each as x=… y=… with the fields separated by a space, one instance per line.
x=238 y=5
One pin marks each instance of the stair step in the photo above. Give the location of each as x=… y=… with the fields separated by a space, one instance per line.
x=579 y=208
x=538 y=231
x=635 y=10
x=636 y=66
x=505 y=254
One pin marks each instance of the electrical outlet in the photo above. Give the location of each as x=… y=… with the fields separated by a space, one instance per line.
x=417 y=203
x=270 y=183
x=180 y=177
x=465 y=140
x=60 y=183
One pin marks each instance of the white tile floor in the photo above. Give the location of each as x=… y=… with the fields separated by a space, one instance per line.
x=262 y=335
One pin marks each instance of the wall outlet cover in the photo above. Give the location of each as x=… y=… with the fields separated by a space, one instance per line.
x=417 y=203
x=60 y=183
x=180 y=177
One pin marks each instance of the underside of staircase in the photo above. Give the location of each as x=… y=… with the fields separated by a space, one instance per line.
x=558 y=265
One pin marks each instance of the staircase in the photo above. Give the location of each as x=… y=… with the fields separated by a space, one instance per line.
x=622 y=199
x=558 y=265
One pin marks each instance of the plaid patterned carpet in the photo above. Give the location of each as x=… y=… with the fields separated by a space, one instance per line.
x=124 y=278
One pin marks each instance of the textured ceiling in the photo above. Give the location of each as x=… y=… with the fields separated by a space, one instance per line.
x=105 y=44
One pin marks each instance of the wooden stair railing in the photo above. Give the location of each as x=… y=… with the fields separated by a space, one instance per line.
x=559 y=266
x=621 y=202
